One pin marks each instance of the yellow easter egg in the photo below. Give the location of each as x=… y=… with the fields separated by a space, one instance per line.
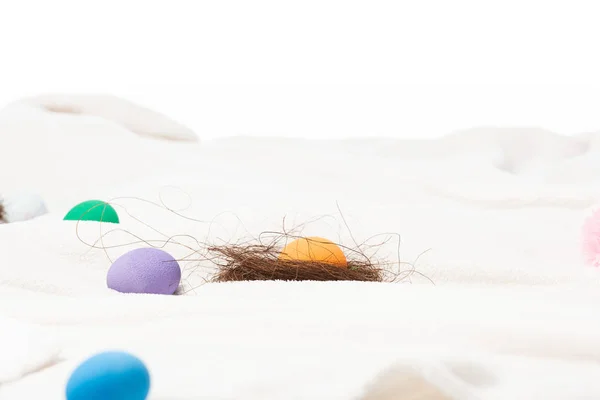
x=314 y=249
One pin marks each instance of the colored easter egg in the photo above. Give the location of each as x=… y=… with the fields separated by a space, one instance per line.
x=591 y=239
x=22 y=207
x=93 y=210
x=145 y=270
x=314 y=249
x=111 y=375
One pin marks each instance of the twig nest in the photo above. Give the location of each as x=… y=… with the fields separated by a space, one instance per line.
x=145 y=270
x=22 y=207
x=314 y=249
x=111 y=375
x=265 y=263
x=93 y=210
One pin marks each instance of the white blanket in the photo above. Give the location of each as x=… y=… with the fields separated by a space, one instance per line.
x=25 y=349
x=500 y=211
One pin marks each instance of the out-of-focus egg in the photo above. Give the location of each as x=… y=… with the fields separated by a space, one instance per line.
x=111 y=375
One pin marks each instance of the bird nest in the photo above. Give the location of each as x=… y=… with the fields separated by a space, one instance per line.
x=259 y=262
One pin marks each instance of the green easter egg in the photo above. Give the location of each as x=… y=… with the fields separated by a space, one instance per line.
x=93 y=210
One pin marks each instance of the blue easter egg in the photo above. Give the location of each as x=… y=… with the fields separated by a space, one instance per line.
x=111 y=375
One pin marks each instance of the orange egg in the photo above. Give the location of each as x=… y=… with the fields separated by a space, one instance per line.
x=314 y=249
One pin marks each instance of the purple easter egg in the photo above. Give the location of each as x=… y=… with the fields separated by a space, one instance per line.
x=145 y=270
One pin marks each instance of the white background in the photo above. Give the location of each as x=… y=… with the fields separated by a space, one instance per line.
x=316 y=69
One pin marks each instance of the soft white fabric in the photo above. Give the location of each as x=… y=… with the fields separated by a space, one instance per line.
x=24 y=349
x=119 y=111
x=499 y=210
